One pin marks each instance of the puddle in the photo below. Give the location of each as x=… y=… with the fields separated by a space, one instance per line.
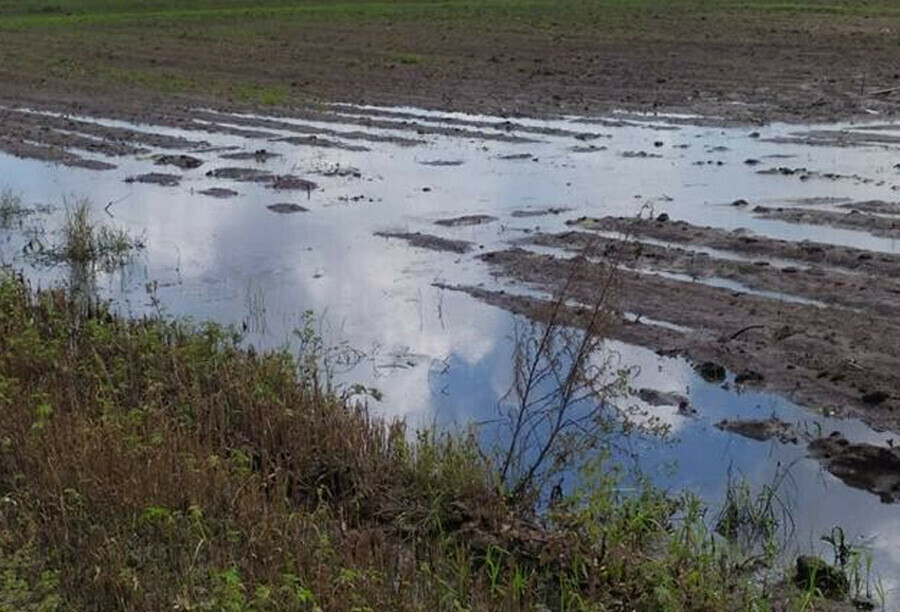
x=442 y=356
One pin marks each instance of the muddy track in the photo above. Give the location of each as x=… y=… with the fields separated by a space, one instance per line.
x=853 y=220
x=823 y=285
x=746 y=243
x=800 y=350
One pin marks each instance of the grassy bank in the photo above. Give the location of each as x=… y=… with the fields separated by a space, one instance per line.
x=150 y=465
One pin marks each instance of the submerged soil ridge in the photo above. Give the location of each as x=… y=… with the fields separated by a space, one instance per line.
x=825 y=337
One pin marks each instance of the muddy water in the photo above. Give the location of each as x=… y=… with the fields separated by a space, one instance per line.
x=441 y=356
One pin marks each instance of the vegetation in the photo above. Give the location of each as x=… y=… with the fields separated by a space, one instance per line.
x=169 y=47
x=11 y=208
x=151 y=465
x=86 y=242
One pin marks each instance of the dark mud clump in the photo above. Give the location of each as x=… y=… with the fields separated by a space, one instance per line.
x=185 y=162
x=517 y=156
x=640 y=155
x=587 y=148
x=244 y=175
x=539 y=212
x=439 y=163
x=340 y=171
x=762 y=429
x=853 y=220
x=813 y=574
x=286 y=208
x=667 y=398
x=325 y=143
x=219 y=192
x=466 y=221
x=863 y=466
x=156 y=178
x=429 y=241
x=261 y=156
x=711 y=372
x=288 y=182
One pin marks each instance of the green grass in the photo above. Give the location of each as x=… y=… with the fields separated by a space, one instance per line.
x=11 y=208
x=172 y=48
x=85 y=242
x=152 y=465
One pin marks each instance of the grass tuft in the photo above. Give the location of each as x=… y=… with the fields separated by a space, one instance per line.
x=11 y=208
x=86 y=242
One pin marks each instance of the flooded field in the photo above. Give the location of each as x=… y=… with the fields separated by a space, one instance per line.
x=417 y=239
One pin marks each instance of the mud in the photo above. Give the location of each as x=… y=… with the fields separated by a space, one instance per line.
x=667 y=398
x=805 y=174
x=441 y=163
x=286 y=208
x=28 y=150
x=429 y=241
x=219 y=192
x=863 y=466
x=822 y=285
x=762 y=429
x=873 y=206
x=746 y=243
x=260 y=156
x=323 y=143
x=185 y=162
x=156 y=178
x=854 y=220
x=466 y=220
x=287 y=126
x=539 y=212
x=825 y=358
x=289 y=182
x=244 y=175
x=836 y=138
x=283 y=182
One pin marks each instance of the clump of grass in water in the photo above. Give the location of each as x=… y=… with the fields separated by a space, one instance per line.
x=11 y=208
x=85 y=242
x=151 y=465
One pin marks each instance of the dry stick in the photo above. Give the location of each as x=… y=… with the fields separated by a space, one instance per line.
x=735 y=335
x=580 y=355
x=884 y=92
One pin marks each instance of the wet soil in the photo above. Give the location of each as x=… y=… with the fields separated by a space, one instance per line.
x=873 y=206
x=156 y=178
x=429 y=241
x=853 y=220
x=244 y=175
x=742 y=62
x=833 y=359
x=864 y=466
x=466 y=220
x=260 y=156
x=52 y=138
x=746 y=243
x=286 y=208
x=539 y=212
x=185 y=162
x=762 y=429
x=29 y=150
x=289 y=182
x=219 y=192
x=824 y=285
